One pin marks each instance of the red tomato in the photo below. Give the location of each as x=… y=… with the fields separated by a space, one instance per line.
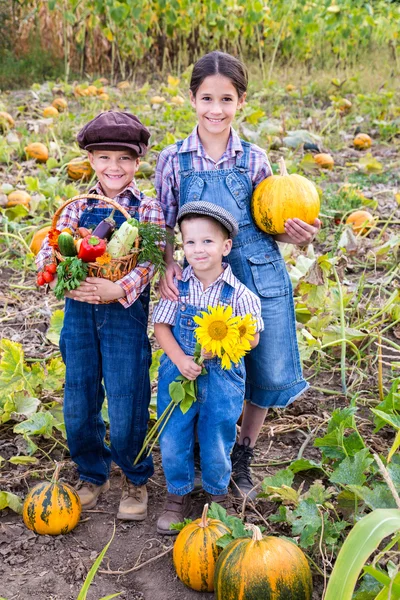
x=48 y=277
x=40 y=279
x=52 y=268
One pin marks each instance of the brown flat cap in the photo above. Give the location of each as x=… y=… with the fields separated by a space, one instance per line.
x=114 y=129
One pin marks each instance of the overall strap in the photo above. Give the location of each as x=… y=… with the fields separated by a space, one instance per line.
x=243 y=163
x=226 y=294
x=185 y=159
x=183 y=287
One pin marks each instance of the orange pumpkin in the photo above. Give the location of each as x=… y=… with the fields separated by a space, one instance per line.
x=6 y=121
x=50 y=111
x=60 y=104
x=324 y=160
x=361 y=221
x=79 y=168
x=195 y=552
x=281 y=197
x=18 y=197
x=52 y=508
x=37 y=240
x=104 y=96
x=38 y=151
x=362 y=141
x=92 y=90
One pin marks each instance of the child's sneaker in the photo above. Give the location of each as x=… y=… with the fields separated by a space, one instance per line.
x=133 y=505
x=89 y=492
x=242 y=482
x=176 y=510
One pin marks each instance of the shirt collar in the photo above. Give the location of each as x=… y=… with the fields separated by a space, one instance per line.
x=193 y=144
x=130 y=190
x=226 y=275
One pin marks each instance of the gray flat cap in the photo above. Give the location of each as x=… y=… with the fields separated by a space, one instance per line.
x=208 y=209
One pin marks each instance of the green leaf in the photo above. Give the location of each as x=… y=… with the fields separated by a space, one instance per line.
x=25 y=405
x=307 y=523
x=362 y=540
x=39 y=424
x=351 y=470
x=9 y=500
x=176 y=391
x=378 y=497
x=282 y=477
x=23 y=460
x=181 y=525
x=303 y=464
x=56 y=324
x=51 y=163
x=155 y=363
x=368 y=589
x=390 y=419
x=383 y=578
x=93 y=570
x=55 y=374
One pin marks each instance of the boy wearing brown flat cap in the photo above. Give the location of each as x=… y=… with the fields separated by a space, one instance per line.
x=108 y=343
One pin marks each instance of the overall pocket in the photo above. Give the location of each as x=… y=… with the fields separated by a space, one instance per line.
x=187 y=327
x=269 y=274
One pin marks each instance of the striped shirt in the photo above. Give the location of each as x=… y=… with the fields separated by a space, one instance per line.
x=243 y=300
x=149 y=210
x=167 y=179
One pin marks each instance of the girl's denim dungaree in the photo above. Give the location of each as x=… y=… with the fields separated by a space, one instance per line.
x=107 y=342
x=273 y=369
x=220 y=396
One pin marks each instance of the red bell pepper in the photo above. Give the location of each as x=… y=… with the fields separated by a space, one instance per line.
x=91 y=247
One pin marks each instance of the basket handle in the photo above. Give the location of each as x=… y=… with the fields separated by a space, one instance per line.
x=95 y=197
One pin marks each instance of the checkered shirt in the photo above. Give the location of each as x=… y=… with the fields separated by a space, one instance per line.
x=149 y=210
x=167 y=180
x=243 y=300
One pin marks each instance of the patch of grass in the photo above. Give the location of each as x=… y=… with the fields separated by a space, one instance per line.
x=35 y=66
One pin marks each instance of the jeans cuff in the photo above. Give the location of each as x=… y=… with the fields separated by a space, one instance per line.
x=91 y=480
x=182 y=491
x=215 y=491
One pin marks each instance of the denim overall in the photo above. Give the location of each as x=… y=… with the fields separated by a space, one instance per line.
x=107 y=343
x=273 y=369
x=220 y=396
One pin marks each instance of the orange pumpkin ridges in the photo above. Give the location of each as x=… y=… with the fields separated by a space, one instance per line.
x=79 y=168
x=270 y=568
x=195 y=552
x=18 y=197
x=37 y=240
x=38 y=151
x=361 y=221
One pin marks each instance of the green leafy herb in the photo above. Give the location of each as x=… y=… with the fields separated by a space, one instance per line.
x=70 y=273
x=152 y=241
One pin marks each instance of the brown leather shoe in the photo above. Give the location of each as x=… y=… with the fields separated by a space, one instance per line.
x=223 y=500
x=89 y=492
x=133 y=505
x=176 y=509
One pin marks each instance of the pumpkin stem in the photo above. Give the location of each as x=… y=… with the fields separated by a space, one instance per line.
x=56 y=473
x=257 y=535
x=204 y=520
x=282 y=167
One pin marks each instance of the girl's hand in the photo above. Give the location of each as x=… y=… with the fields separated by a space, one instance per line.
x=95 y=290
x=188 y=368
x=168 y=290
x=302 y=233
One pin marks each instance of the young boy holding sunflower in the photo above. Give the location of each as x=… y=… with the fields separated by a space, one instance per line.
x=207 y=232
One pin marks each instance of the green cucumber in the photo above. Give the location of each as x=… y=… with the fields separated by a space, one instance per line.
x=66 y=244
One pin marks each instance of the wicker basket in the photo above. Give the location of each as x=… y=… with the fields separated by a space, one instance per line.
x=117 y=267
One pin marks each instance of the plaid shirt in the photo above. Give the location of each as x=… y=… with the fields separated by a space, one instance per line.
x=243 y=300
x=149 y=210
x=167 y=180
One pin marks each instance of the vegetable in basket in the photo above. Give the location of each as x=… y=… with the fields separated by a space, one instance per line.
x=106 y=228
x=66 y=244
x=91 y=247
x=123 y=239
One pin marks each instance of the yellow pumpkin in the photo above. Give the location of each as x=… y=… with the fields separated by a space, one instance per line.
x=123 y=85
x=37 y=240
x=362 y=141
x=290 y=87
x=157 y=100
x=60 y=104
x=92 y=90
x=281 y=197
x=325 y=161
x=344 y=106
x=79 y=168
x=50 y=111
x=38 y=151
x=18 y=197
x=52 y=508
x=270 y=568
x=361 y=221
x=6 y=121
x=178 y=100
x=195 y=552
x=104 y=96
x=145 y=170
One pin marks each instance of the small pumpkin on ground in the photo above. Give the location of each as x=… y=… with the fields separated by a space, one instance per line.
x=52 y=508
x=38 y=151
x=18 y=197
x=157 y=100
x=145 y=170
x=269 y=567
x=361 y=221
x=324 y=160
x=195 y=552
x=60 y=104
x=79 y=168
x=6 y=121
x=362 y=141
x=92 y=90
x=281 y=197
x=50 y=111
x=37 y=240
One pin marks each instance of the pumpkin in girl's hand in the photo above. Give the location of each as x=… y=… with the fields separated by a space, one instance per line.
x=79 y=168
x=324 y=160
x=362 y=141
x=195 y=552
x=281 y=197
x=270 y=568
x=52 y=508
x=38 y=151
x=37 y=240
x=361 y=221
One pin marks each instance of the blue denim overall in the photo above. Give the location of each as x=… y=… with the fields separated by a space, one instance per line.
x=220 y=396
x=106 y=343
x=273 y=369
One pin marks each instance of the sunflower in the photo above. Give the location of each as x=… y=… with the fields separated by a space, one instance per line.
x=217 y=330
x=247 y=328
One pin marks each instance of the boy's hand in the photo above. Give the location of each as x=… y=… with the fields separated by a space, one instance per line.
x=167 y=288
x=95 y=290
x=206 y=355
x=188 y=367
x=301 y=233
